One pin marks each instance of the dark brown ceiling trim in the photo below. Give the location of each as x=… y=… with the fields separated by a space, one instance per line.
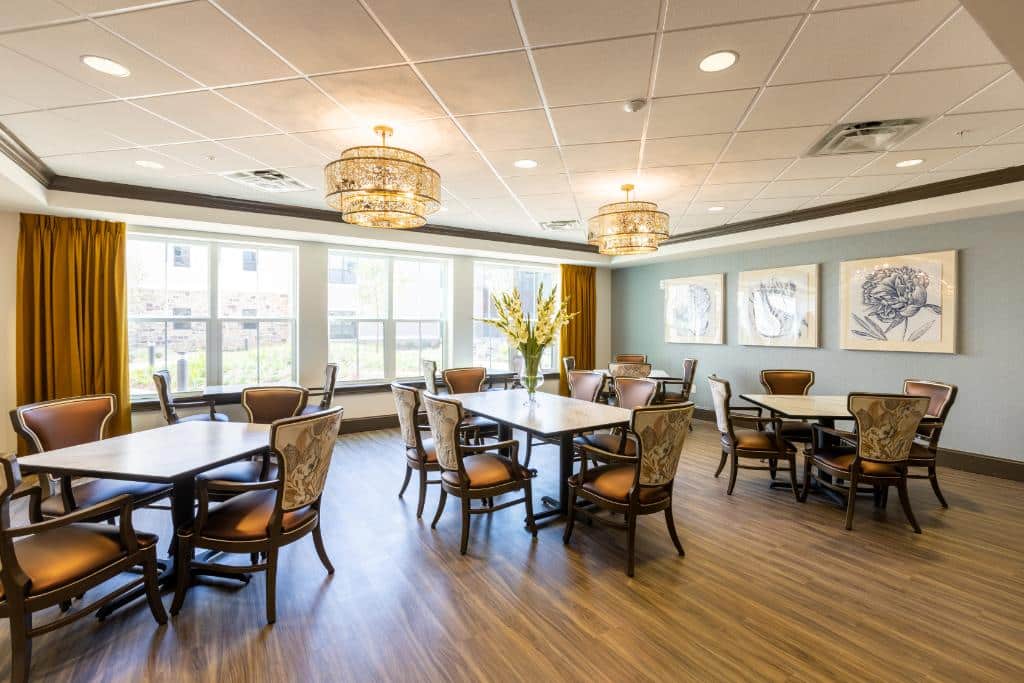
x=16 y=150
x=978 y=181
x=155 y=194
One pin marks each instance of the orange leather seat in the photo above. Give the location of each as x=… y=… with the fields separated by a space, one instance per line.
x=920 y=452
x=483 y=470
x=606 y=442
x=57 y=557
x=753 y=440
x=843 y=462
x=477 y=422
x=97 y=491
x=613 y=482
x=246 y=516
x=429 y=449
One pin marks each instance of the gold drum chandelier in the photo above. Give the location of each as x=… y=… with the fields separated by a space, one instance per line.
x=378 y=186
x=628 y=227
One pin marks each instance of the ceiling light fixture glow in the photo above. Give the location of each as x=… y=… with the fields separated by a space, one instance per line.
x=716 y=209
x=909 y=162
x=718 y=61
x=629 y=227
x=525 y=163
x=106 y=66
x=146 y=163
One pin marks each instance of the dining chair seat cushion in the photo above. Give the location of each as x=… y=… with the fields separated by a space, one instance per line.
x=484 y=470
x=843 y=461
x=797 y=430
x=97 y=491
x=606 y=441
x=480 y=423
x=55 y=558
x=241 y=472
x=673 y=397
x=613 y=482
x=204 y=417
x=429 y=449
x=753 y=440
x=246 y=516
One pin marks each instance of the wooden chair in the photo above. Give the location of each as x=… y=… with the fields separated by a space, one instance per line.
x=48 y=563
x=471 y=472
x=584 y=385
x=924 y=452
x=168 y=406
x=685 y=384
x=629 y=369
x=326 y=392
x=63 y=422
x=569 y=363
x=265 y=405
x=793 y=382
x=630 y=393
x=755 y=443
x=887 y=425
x=262 y=517
x=631 y=358
x=638 y=484
x=420 y=454
x=467 y=381
x=429 y=368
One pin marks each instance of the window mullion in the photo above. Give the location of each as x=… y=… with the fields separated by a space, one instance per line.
x=390 y=344
x=214 y=334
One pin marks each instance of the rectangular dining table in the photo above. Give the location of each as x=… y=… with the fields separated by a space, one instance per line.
x=173 y=455
x=552 y=417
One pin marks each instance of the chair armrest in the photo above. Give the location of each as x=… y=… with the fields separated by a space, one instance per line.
x=319 y=391
x=757 y=409
x=223 y=486
x=497 y=445
x=35 y=511
x=122 y=504
x=601 y=454
x=758 y=422
x=197 y=402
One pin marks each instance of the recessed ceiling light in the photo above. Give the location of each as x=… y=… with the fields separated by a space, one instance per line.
x=106 y=66
x=909 y=162
x=146 y=163
x=716 y=209
x=718 y=61
x=525 y=163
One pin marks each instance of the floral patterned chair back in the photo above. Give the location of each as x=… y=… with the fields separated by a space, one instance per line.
x=631 y=392
x=464 y=380
x=304 y=446
x=617 y=369
x=797 y=382
x=631 y=358
x=444 y=416
x=585 y=385
x=721 y=394
x=429 y=369
x=661 y=432
x=407 y=404
x=886 y=424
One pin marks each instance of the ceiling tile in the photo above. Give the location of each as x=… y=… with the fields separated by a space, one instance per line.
x=747 y=171
x=776 y=205
x=588 y=123
x=61 y=47
x=860 y=41
x=1015 y=135
x=539 y=184
x=992 y=156
x=129 y=122
x=931 y=158
x=46 y=133
x=30 y=12
x=92 y=6
x=806 y=104
x=511 y=130
x=797 y=188
x=466 y=165
x=714 y=193
x=310 y=175
x=293 y=105
x=382 y=95
x=686 y=14
x=476 y=186
x=825 y=5
x=276 y=150
x=670 y=182
x=610 y=156
x=548 y=161
x=576 y=20
x=209 y=156
x=551 y=206
x=198 y=39
x=836 y=166
x=487 y=83
x=429 y=29
x=937 y=177
x=692 y=149
x=296 y=30
x=728 y=207
x=960 y=42
x=429 y=138
x=9 y=105
x=759 y=45
x=964 y=130
x=1006 y=93
x=865 y=184
x=567 y=73
x=698 y=114
x=601 y=187
x=116 y=166
x=773 y=144
x=40 y=86
x=924 y=94
x=207 y=114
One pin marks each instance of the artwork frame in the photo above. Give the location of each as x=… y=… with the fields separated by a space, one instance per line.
x=694 y=312
x=778 y=306
x=900 y=303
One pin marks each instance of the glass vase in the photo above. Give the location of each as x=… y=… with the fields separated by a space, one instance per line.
x=531 y=376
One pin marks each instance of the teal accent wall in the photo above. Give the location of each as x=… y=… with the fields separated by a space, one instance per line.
x=988 y=417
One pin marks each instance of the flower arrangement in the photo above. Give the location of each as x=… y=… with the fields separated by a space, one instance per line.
x=530 y=335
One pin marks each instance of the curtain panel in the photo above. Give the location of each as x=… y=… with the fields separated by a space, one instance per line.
x=577 y=339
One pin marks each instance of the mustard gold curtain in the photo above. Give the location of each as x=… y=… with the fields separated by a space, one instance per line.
x=577 y=339
x=72 y=336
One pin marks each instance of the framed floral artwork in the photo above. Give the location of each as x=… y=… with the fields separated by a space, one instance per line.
x=693 y=309
x=900 y=303
x=778 y=306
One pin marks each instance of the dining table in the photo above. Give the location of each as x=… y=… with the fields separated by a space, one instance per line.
x=550 y=417
x=175 y=455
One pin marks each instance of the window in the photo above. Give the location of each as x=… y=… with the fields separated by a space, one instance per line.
x=209 y=313
x=385 y=314
x=490 y=348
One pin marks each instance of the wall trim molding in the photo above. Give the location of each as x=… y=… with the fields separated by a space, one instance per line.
x=18 y=152
x=368 y=424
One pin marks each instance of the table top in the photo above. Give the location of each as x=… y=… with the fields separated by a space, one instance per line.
x=216 y=390
x=803 y=407
x=553 y=415
x=158 y=455
x=655 y=374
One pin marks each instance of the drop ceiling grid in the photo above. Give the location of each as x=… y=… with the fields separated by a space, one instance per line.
x=689 y=194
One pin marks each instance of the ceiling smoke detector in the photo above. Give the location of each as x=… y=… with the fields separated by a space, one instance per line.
x=560 y=226
x=633 y=106
x=868 y=136
x=267 y=180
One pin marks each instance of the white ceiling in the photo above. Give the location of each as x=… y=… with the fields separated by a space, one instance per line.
x=474 y=85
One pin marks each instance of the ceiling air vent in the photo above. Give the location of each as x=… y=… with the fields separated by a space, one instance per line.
x=267 y=180
x=869 y=136
x=560 y=226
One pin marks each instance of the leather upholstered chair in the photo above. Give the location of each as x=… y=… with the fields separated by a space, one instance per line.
x=584 y=385
x=326 y=392
x=168 y=406
x=468 y=381
x=751 y=442
x=63 y=422
x=638 y=484
x=569 y=363
x=420 y=454
x=630 y=393
x=793 y=382
x=886 y=425
x=48 y=563
x=264 y=516
x=478 y=472
x=429 y=369
x=685 y=384
x=264 y=405
x=923 y=453
x=631 y=358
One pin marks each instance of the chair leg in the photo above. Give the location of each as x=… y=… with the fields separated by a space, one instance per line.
x=792 y=477
x=408 y=475
x=423 y=494
x=570 y=521
x=464 y=543
x=734 y=462
x=851 y=500
x=529 y=450
x=630 y=543
x=721 y=463
x=670 y=523
x=272 y=585
x=807 y=478
x=935 y=486
x=21 y=647
x=877 y=496
x=531 y=524
x=905 y=502
x=184 y=554
x=773 y=467
x=440 y=508
x=156 y=606
x=321 y=551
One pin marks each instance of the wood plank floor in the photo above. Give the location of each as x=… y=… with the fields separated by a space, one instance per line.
x=769 y=590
